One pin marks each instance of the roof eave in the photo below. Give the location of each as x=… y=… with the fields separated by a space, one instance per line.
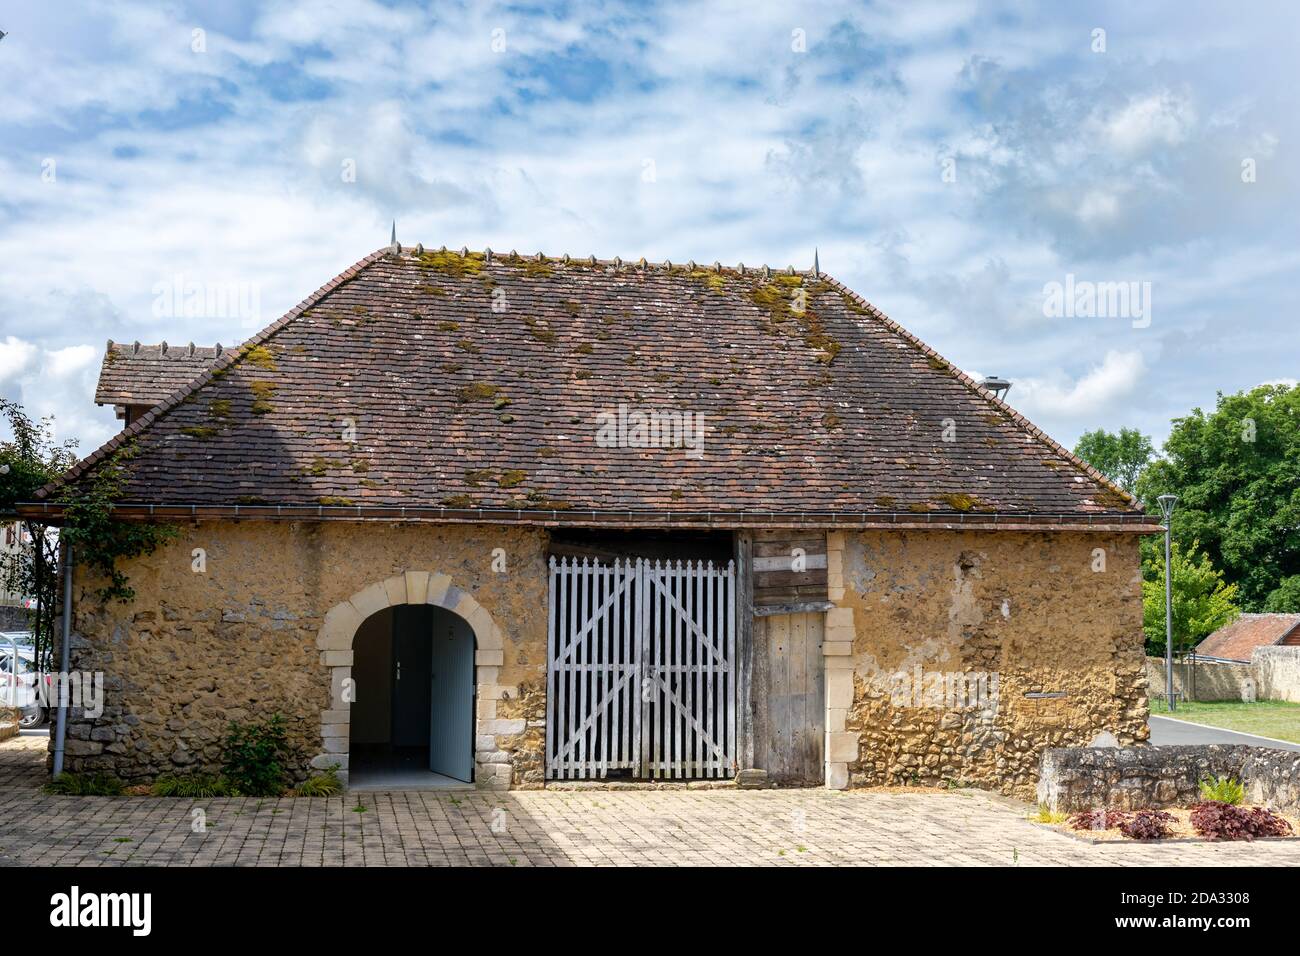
x=1110 y=522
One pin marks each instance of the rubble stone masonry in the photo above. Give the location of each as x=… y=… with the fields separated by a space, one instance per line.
x=266 y=627
x=973 y=652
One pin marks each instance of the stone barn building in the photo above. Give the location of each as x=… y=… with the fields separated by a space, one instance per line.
x=480 y=519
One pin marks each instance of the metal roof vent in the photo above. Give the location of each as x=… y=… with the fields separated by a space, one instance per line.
x=998 y=386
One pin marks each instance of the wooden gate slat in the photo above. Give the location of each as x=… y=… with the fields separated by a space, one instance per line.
x=641 y=669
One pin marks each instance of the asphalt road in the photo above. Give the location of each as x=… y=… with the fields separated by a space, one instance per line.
x=1167 y=731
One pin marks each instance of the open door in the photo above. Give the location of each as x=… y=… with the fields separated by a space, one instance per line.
x=411 y=651
x=451 y=711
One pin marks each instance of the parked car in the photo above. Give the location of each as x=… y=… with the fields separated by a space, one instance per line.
x=20 y=690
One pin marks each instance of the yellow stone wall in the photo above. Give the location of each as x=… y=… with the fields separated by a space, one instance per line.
x=1056 y=617
x=239 y=640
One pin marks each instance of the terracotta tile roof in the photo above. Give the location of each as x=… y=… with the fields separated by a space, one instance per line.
x=448 y=380
x=135 y=374
x=1237 y=640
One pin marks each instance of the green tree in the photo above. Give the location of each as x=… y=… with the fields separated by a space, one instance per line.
x=1285 y=598
x=1236 y=472
x=1120 y=457
x=30 y=458
x=1202 y=603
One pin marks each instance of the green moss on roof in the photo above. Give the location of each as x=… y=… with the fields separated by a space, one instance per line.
x=511 y=478
x=262 y=392
x=539 y=331
x=201 y=432
x=475 y=392
x=452 y=263
x=260 y=356
x=711 y=279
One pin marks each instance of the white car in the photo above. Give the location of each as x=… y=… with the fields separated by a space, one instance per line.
x=22 y=692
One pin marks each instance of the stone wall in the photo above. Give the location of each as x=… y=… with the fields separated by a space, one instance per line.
x=967 y=654
x=1277 y=673
x=1136 y=778
x=1272 y=674
x=246 y=637
x=1201 y=681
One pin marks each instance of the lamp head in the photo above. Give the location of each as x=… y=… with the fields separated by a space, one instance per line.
x=1167 y=503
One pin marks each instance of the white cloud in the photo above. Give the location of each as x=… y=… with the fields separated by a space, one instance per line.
x=1095 y=393
x=58 y=383
x=1158 y=119
x=15 y=358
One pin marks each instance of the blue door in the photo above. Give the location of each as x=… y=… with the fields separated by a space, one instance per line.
x=451 y=711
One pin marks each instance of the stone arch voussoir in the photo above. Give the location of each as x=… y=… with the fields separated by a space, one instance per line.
x=493 y=769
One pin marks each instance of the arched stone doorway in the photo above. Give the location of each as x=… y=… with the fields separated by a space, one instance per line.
x=335 y=641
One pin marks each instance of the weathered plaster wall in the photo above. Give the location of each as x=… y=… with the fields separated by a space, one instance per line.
x=1033 y=614
x=240 y=639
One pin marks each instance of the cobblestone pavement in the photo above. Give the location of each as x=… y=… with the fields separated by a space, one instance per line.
x=557 y=828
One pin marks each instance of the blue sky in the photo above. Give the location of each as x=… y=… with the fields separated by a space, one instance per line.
x=949 y=160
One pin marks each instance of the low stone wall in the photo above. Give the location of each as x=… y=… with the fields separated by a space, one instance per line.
x=8 y=723
x=1277 y=673
x=1136 y=778
x=1202 y=681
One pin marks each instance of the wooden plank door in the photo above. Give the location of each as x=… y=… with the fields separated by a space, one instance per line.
x=789 y=697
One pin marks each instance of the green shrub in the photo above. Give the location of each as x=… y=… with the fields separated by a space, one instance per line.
x=1223 y=790
x=254 y=755
x=1047 y=815
x=324 y=784
x=85 y=785
x=191 y=785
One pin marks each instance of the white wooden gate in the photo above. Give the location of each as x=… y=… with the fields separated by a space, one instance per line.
x=641 y=673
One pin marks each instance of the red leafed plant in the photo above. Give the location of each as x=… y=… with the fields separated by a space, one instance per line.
x=1223 y=821
x=1147 y=825
x=1098 y=819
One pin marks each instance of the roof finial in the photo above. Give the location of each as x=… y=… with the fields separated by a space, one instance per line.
x=393 y=240
x=817 y=269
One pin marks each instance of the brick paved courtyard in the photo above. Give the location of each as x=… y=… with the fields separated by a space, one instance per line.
x=556 y=828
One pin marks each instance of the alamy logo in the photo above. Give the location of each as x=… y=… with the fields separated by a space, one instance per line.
x=184 y=297
x=651 y=428
x=83 y=689
x=942 y=690
x=74 y=908
x=1082 y=299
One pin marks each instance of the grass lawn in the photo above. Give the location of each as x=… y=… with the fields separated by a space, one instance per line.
x=1268 y=718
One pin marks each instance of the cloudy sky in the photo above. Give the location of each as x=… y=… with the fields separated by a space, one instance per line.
x=951 y=161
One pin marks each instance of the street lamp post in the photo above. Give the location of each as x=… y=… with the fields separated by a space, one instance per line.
x=1167 y=503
